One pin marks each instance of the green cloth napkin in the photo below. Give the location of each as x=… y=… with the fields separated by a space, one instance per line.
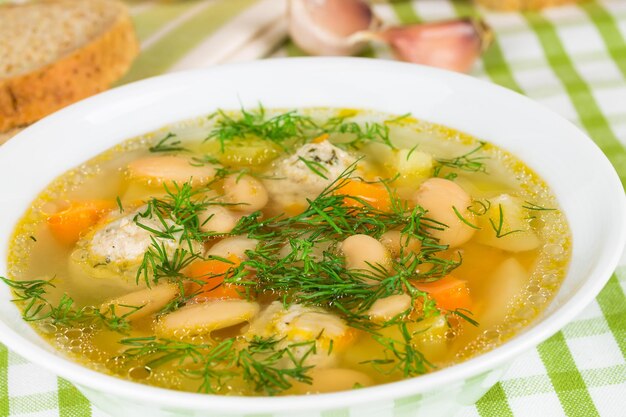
x=571 y=59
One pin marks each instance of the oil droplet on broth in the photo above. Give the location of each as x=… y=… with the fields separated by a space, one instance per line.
x=73 y=333
x=533 y=288
x=550 y=279
x=491 y=334
x=537 y=299
x=48 y=328
x=139 y=372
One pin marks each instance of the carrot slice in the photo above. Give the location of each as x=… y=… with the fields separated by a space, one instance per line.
x=449 y=292
x=214 y=272
x=68 y=225
x=321 y=138
x=373 y=194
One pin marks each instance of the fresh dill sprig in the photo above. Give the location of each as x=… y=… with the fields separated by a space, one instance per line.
x=120 y=207
x=31 y=293
x=37 y=307
x=279 y=129
x=169 y=143
x=312 y=270
x=315 y=167
x=463 y=219
x=532 y=206
x=271 y=369
x=211 y=364
x=291 y=128
x=263 y=363
x=500 y=224
x=479 y=207
x=213 y=371
x=177 y=235
x=400 y=355
x=465 y=314
x=469 y=162
x=157 y=263
x=357 y=134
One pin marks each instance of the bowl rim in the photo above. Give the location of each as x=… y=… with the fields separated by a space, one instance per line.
x=539 y=331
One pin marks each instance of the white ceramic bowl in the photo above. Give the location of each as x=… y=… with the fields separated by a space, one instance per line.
x=587 y=187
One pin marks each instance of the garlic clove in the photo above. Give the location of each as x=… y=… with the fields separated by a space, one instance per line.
x=324 y=27
x=454 y=45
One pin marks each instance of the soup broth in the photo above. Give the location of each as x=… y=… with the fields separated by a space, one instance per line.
x=283 y=252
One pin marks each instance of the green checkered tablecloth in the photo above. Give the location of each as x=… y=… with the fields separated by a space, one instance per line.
x=571 y=59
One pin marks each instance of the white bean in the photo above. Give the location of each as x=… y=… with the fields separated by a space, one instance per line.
x=217 y=219
x=387 y=308
x=156 y=170
x=248 y=193
x=152 y=299
x=396 y=242
x=365 y=253
x=440 y=197
x=206 y=317
x=236 y=245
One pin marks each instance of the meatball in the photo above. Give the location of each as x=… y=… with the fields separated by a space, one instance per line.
x=300 y=323
x=295 y=181
x=116 y=247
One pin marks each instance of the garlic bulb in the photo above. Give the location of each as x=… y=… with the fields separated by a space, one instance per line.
x=324 y=27
x=454 y=44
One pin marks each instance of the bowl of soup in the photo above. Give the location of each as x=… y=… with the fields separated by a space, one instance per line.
x=305 y=236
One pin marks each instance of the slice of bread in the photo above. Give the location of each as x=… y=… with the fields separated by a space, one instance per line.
x=56 y=52
x=513 y=5
x=6 y=135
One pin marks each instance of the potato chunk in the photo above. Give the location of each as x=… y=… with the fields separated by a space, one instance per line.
x=505 y=226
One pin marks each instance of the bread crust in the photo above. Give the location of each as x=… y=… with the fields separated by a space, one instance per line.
x=88 y=70
x=512 y=5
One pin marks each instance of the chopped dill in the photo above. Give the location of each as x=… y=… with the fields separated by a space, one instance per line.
x=479 y=207
x=465 y=314
x=271 y=369
x=37 y=307
x=279 y=129
x=169 y=143
x=312 y=271
x=291 y=128
x=532 y=206
x=400 y=355
x=315 y=167
x=471 y=161
x=463 y=219
x=413 y=149
x=398 y=119
x=498 y=228
x=204 y=160
x=118 y=201
x=205 y=362
x=357 y=134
